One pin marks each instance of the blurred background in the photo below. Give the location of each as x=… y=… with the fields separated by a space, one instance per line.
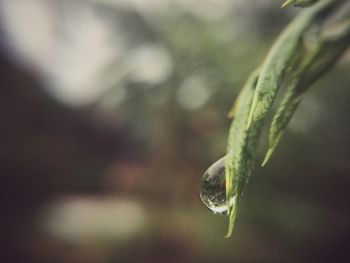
x=111 y=111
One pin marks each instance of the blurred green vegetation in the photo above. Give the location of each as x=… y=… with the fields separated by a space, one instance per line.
x=116 y=180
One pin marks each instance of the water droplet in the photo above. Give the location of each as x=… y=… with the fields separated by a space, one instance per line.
x=213 y=188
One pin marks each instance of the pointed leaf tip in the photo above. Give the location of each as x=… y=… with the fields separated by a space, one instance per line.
x=287 y=3
x=267 y=156
x=232 y=217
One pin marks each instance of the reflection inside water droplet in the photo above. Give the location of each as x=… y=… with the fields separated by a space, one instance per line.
x=213 y=188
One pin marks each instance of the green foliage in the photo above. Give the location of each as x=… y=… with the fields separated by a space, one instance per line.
x=291 y=62
x=281 y=58
x=241 y=148
x=315 y=63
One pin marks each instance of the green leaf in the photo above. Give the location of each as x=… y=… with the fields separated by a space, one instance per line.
x=280 y=58
x=241 y=149
x=280 y=121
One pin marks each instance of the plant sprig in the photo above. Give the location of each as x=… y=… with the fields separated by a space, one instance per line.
x=292 y=63
x=280 y=59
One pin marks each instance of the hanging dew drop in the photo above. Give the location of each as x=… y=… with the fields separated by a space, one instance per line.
x=213 y=188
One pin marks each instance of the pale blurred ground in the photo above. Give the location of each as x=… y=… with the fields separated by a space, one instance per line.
x=111 y=110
